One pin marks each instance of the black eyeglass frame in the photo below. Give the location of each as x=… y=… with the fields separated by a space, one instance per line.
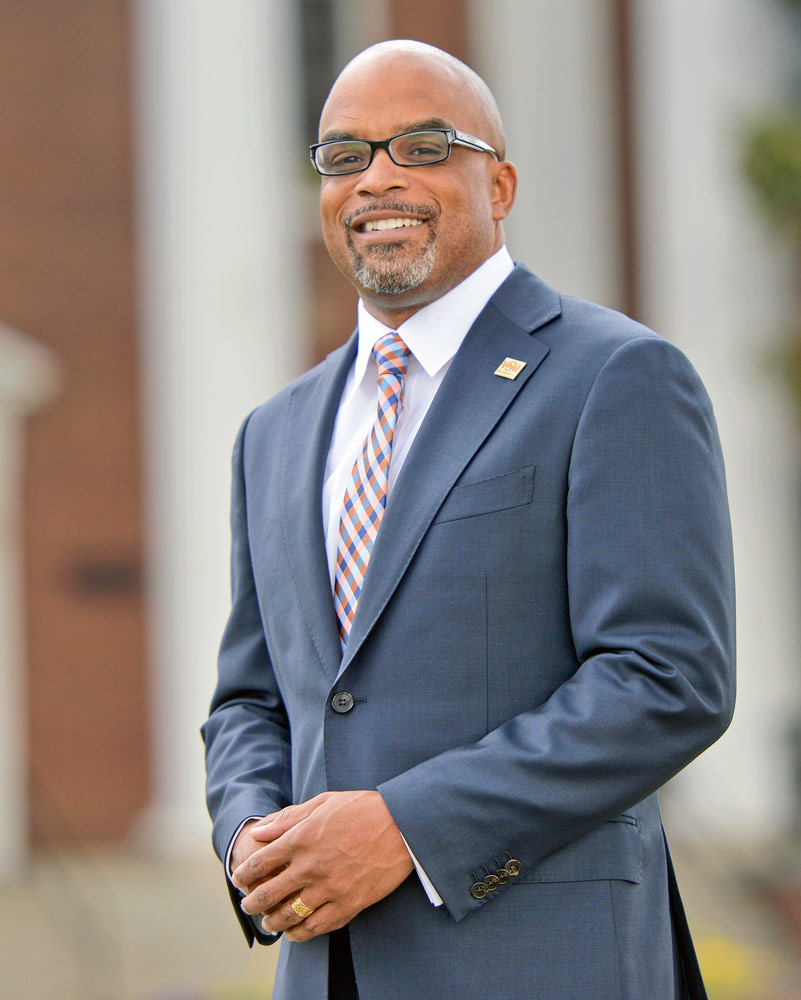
x=452 y=135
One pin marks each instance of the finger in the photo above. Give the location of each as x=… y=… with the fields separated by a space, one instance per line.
x=266 y=833
x=275 y=824
x=269 y=895
x=262 y=864
x=273 y=816
x=328 y=917
x=284 y=917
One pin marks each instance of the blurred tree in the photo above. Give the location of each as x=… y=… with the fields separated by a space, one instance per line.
x=772 y=163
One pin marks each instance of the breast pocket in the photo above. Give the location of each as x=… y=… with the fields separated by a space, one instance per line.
x=503 y=492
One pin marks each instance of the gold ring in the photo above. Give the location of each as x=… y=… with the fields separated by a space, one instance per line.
x=300 y=908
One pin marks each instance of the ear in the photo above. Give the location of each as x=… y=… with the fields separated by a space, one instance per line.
x=504 y=189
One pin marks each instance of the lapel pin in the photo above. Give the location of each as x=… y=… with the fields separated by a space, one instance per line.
x=510 y=368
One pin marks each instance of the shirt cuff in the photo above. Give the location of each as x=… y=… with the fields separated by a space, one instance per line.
x=433 y=896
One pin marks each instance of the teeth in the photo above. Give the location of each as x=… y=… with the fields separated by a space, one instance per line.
x=382 y=224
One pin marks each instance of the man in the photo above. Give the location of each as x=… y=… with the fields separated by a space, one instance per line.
x=478 y=622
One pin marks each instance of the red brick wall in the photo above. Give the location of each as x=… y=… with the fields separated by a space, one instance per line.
x=440 y=24
x=67 y=278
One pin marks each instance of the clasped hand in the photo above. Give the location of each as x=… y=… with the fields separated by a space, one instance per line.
x=340 y=851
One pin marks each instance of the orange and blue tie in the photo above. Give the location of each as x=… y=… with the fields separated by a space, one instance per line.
x=366 y=496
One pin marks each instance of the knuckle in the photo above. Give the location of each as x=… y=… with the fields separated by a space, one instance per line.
x=262 y=898
x=253 y=868
x=312 y=868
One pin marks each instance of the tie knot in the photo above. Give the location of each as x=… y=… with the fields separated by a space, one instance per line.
x=392 y=355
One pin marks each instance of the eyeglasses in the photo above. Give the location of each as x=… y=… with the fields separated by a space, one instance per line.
x=411 y=149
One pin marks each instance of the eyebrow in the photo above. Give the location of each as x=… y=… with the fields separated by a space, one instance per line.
x=334 y=136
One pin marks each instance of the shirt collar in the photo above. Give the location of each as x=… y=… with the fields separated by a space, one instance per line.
x=435 y=333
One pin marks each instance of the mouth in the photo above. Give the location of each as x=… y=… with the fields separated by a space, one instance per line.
x=387 y=218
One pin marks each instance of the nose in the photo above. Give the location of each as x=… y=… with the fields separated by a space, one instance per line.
x=382 y=175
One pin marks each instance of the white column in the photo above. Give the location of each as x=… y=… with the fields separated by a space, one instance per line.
x=550 y=67
x=715 y=282
x=220 y=163
x=28 y=380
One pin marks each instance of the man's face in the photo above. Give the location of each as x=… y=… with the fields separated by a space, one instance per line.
x=407 y=235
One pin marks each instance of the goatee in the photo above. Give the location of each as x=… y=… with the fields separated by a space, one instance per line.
x=383 y=273
x=386 y=268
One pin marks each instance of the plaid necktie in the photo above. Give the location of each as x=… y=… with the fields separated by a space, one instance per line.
x=366 y=496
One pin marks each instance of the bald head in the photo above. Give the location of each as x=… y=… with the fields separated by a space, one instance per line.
x=446 y=71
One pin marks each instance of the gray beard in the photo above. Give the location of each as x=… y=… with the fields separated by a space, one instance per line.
x=383 y=274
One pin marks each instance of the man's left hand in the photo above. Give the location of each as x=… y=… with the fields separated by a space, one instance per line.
x=340 y=852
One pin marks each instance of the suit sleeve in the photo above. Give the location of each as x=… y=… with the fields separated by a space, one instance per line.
x=247 y=732
x=651 y=601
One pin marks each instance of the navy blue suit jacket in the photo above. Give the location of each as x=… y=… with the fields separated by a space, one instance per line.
x=544 y=637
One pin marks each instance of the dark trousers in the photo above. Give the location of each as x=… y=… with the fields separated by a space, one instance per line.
x=341 y=980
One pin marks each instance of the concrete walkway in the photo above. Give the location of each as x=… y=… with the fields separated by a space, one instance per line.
x=115 y=926
x=118 y=927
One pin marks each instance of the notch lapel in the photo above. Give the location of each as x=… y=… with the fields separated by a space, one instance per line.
x=468 y=405
x=308 y=426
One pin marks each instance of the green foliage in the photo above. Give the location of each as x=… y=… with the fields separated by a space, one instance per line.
x=730 y=968
x=785 y=362
x=772 y=163
x=733 y=970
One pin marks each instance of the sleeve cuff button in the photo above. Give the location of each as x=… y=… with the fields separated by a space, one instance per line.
x=478 y=890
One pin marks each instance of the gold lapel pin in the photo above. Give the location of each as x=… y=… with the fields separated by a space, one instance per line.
x=509 y=368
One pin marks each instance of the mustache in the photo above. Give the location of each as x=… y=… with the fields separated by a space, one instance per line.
x=402 y=208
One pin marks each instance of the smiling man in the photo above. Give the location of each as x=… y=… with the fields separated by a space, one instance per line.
x=482 y=598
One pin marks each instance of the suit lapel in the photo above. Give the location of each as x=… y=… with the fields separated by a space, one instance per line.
x=468 y=405
x=309 y=423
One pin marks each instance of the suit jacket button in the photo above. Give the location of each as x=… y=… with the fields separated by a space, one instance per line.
x=513 y=866
x=479 y=890
x=491 y=882
x=503 y=876
x=342 y=702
